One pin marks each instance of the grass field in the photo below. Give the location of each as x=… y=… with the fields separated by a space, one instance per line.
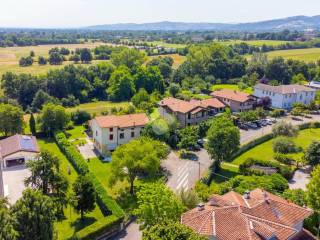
x=177 y=59
x=257 y=43
x=72 y=223
x=307 y=55
x=264 y=151
x=98 y=107
x=230 y=86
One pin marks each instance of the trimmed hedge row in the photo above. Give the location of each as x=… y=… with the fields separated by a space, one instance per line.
x=107 y=205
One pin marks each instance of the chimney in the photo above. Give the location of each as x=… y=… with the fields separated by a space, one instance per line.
x=266 y=197
x=200 y=207
x=246 y=194
x=212 y=202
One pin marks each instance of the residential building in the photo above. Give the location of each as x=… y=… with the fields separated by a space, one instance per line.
x=313 y=84
x=190 y=112
x=237 y=101
x=285 y=96
x=108 y=132
x=17 y=150
x=256 y=215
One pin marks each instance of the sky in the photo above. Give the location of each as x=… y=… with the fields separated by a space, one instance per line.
x=79 y=13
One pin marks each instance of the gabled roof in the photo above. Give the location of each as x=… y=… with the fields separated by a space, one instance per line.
x=261 y=216
x=18 y=143
x=177 y=105
x=284 y=89
x=232 y=95
x=122 y=121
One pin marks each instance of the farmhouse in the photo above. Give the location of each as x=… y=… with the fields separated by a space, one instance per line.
x=237 y=101
x=190 y=112
x=17 y=150
x=108 y=132
x=285 y=96
x=255 y=215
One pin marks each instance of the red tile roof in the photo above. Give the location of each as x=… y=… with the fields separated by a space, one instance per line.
x=262 y=216
x=177 y=105
x=18 y=143
x=232 y=95
x=122 y=121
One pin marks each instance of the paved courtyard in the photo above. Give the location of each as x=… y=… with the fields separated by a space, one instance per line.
x=13 y=182
x=87 y=150
x=300 y=179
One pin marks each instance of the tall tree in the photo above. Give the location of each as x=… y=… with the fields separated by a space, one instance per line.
x=139 y=156
x=312 y=155
x=223 y=139
x=32 y=125
x=128 y=57
x=11 y=119
x=34 y=216
x=53 y=118
x=156 y=204
x=84 y=195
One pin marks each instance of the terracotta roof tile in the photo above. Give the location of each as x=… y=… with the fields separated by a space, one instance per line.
x=232 y=95
x=122 y=121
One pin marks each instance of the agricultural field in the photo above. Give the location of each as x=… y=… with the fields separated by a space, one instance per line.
x=72 y=222
x=257 y=43
x=307 y=55
x=232 y=87
x=95 y=108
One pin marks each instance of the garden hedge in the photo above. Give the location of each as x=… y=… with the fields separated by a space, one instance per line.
x=108 y=206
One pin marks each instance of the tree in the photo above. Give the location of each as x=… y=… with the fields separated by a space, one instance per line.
x=188 y=137
x=313 y=192
x=25 y=61
x=278 y=69
x=140 y=97
x=34 y=216
x=223 y=139
x=84 y=195
x=7 y=231
x=170 y=230
x=46 y=177
x=121 y=86
x=42 y=60
x=150 y=79
x=11 y=119
x=174 y=89
x=285 y=129
x=189 y=198
x=80 y=117
x=299 y=79
x=75 y=58
x=312 y=155
x=32 y=54
x=284 y=145
x=156 y=204
x=40 y=99
x=297 y=196
x=142 y=155
x=128 y=57
x=55 y=58
x=85 y=55
x=32 y=125
x=53 y=118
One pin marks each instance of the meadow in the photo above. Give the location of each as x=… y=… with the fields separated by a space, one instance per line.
x=257 y=43
x=307 y=55
x=231 y=87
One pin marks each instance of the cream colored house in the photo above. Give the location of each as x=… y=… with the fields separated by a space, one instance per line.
x=17 y=150
x=108 y=132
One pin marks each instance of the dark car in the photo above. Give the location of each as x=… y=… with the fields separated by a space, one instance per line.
x=243 y=126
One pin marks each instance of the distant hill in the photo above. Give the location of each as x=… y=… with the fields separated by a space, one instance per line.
x=291 y=23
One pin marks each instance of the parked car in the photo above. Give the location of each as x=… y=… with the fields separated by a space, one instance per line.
x=201 y=142
x=252 y=125
x=243 y=126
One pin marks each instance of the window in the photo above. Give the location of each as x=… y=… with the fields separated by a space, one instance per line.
x=132 y=134
x=111 y=129
x=111 y=137
x=121 y=136
x=189 y=115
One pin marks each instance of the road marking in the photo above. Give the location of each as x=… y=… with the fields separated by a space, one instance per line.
x=182 y=179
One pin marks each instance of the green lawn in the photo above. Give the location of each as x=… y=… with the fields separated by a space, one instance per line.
x=76 y=133
x=72 y=223
x=227 y=171
x=98 y=107
x=230 y=86
x=264 y=151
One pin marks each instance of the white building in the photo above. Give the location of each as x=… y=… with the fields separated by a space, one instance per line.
x=108 y=132
x=284 y=96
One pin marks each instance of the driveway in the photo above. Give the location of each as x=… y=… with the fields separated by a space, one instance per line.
x=300 y=179
x=87 y=150
x=13 y=182
x=131 y=232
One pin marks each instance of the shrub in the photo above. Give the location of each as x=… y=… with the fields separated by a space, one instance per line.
x=283 y=158
x=284 y=145
x=277 y=113
x=285 y=129
x=80 y=117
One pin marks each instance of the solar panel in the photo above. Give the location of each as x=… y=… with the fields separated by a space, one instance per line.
x=26 y=143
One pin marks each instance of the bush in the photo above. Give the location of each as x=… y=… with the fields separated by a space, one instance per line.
x=285 y=129
x=283 y=158
x=277 y=113
x=80 y=117
x=284 y=145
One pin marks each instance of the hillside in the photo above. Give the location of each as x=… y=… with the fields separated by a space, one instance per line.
x=291 y=23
